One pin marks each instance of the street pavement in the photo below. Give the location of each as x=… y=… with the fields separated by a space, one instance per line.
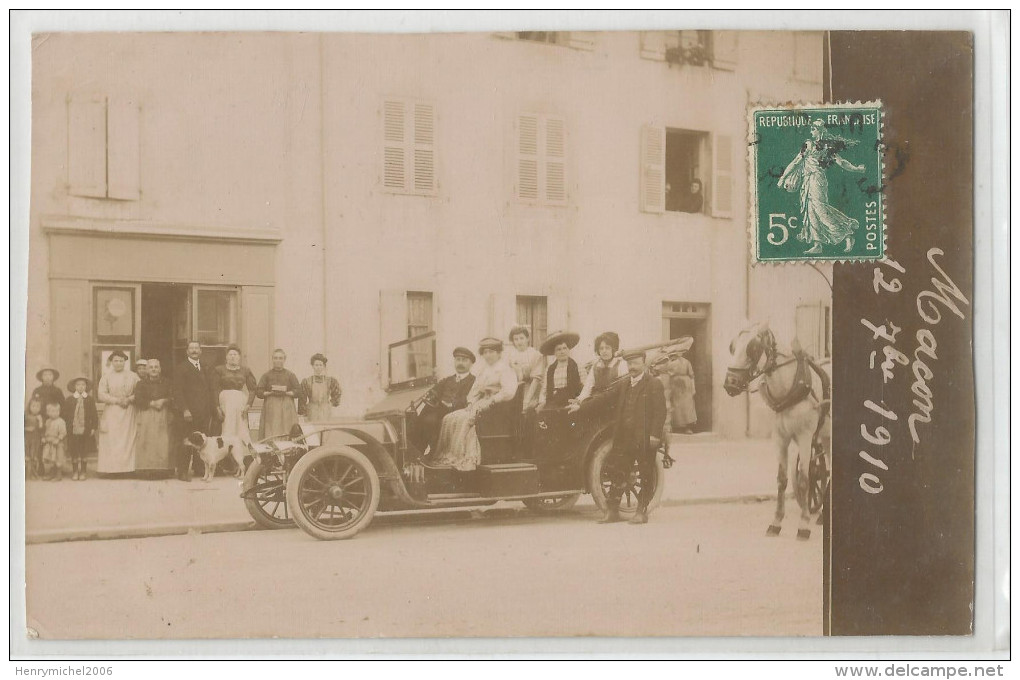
x=708 y=470
x=695 y=569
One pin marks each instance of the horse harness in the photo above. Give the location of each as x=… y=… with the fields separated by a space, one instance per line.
x=801 y=388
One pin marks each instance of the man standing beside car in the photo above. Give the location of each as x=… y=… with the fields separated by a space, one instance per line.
x=640 y=416
x=193 y=400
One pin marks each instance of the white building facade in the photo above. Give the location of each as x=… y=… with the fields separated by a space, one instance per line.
x=341 y=192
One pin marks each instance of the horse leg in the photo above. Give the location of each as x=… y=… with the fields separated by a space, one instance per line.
x=782 y=443
x=803 y=481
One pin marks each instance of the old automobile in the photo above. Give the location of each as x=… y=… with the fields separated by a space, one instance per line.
x=331 y=478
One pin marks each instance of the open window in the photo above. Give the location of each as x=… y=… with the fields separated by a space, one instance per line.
x=686 y=171
x=408 y=338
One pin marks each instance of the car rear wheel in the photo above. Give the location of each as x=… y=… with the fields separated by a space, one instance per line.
x=266 y=497
x=558 y=503
x=600 y=482
x=333 y=492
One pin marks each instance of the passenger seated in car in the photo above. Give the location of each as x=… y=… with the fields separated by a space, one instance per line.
x=458 y=444
x=448 y=395
x=563 y=377
x=604 y=371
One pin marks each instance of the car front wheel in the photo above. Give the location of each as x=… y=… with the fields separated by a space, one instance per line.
x=600 y=481
x=333 y=492
x=266 y=496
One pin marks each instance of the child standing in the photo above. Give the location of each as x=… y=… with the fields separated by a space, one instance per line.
x=48 y=392
x=54 y=436
x=33 y=438
x=82 y=420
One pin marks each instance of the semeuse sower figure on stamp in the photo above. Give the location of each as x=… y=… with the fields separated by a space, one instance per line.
x=821 y=222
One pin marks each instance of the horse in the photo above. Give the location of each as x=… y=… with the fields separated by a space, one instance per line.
x=802 y=415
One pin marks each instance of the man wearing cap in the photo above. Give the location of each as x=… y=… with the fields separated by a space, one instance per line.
x=448 y=395
x=640 y=416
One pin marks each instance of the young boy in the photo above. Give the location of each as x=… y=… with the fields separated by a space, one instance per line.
x=82 y=420
x=54 y=436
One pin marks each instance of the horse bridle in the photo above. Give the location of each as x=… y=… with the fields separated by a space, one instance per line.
x=763 y=345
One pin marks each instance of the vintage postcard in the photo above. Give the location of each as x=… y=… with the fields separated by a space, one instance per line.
x=480 y=334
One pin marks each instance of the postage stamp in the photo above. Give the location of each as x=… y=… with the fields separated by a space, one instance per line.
x=815 y=179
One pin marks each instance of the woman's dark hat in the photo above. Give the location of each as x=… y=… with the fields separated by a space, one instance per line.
x=464 y=352
x=610 y=338
x=55 y=372
x=548 y=347
x=88 y=384
x=490 y=343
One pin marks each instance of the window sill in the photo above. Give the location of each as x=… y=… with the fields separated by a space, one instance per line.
x=137 y=228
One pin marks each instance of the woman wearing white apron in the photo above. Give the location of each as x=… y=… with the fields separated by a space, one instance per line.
x=322 y=392
x=229 y=383
x=117 y=428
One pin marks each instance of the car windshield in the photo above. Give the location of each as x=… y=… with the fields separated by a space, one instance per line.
x=412 y=360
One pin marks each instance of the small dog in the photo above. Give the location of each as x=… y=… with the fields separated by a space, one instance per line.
x=214 y=449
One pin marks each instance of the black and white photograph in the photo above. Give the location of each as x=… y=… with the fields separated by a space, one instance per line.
x=368 y=335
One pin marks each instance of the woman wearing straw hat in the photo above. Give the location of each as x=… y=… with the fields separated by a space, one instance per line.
x=117 y=428
x=495 y=383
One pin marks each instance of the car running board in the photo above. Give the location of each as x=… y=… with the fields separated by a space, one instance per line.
x=470 y=498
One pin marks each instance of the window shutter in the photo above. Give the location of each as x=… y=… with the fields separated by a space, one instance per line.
x=653 y=45
x=527 y=157
x=724 y=50
x=86 y=147
x=722 y=175
x=807 y=57
x=424 y=149
x=123 y=149
x=582 y=40
x=555 y=161
x=394 y=146
x=809 y=323
x=653 y=168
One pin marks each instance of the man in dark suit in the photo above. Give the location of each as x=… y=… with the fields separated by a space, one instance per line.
x=448 y=395
x=640 y=415
x=192 y=397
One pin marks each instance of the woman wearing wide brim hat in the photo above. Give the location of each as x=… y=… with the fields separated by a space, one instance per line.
x=562 y=377
x=605 y=369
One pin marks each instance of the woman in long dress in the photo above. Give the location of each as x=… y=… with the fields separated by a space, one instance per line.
x=278 y=388
x=230 y=382
x=117 y=428
x=821 y=223
x=458 y=441
x=153 y=418
x=679 y=383
x=321 y=392
x=528 y=364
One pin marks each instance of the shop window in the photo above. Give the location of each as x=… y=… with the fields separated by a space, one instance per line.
x=215 y=322
x=686 y=171
x=533 y=312
x=540 y=145
x=409 y=147
x=103 y=148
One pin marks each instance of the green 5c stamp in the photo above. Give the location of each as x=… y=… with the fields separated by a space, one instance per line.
x=816 y=182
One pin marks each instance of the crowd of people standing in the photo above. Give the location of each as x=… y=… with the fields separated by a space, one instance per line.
x=136 y=421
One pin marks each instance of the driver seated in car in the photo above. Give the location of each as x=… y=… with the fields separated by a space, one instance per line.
x=448 y=395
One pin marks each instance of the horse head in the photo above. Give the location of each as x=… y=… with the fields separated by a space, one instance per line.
x=751 y=350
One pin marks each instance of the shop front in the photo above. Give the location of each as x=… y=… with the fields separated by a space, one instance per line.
x=148 y=291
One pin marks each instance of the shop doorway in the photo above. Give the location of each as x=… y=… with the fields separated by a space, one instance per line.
x=687 y=318
x=157 y=320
